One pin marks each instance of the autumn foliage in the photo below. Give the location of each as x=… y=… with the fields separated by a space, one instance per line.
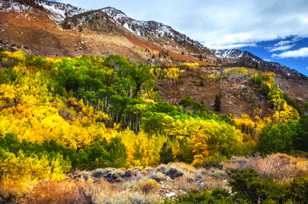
x=62 y=114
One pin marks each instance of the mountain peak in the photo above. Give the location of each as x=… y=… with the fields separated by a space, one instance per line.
x=113 y=12
x=60 y=10
x=57 y=11
x=16 y=5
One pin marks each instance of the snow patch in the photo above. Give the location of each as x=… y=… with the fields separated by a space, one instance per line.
x=150 y=29
x=228 y=53
x=7 y=6
x=59 y=11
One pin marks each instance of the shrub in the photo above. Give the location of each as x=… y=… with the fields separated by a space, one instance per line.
x=278 y=137
x=32 y=168
x=7 y=75
x=98 y=154
x=147 y=186
x=213 y=137
x=298 y=190
x=301 y=140
x=102 y=154
x=204 y=197
x=166 y=154
x=249 y=185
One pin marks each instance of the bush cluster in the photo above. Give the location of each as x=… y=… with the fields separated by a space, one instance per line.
x=249 y=187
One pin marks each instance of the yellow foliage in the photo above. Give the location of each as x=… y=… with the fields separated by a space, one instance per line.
x=18 y=55
x=246 y=124
x=36 y=117
x=210 y=137
x=7 y=91
x=192 y=64
x=237 y=70
x=142 y=150
x=29 y=170
x=172 y=73
x=147 y=186
x=286 y=113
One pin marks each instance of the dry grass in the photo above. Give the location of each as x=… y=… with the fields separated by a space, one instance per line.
x=58 y=192
x=154 y=185
x=276 y=166
x=86 y=192
x=281 y=166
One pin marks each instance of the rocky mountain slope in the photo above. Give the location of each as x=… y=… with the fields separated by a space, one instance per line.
x=104 y=31
x=150 y=29
x=244 y=58
x=58 y=11
x=37 y=26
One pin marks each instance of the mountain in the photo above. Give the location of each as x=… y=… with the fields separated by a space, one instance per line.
x=150 y=29
x=113 y=20
x=54 y=28
x=59 y=11
x=104 y=108
x=244 y=58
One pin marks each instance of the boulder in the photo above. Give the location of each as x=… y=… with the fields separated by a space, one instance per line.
x=114 y=175
x=99 y=173
x=174 y=173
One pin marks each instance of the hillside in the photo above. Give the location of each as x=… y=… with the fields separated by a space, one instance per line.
x=244 y=58
x=98 y=32
x=59 y=29
x=98 y=107
x=60 y=116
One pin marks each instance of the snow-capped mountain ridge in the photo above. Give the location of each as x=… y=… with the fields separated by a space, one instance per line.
x=11 y=5
x=234 y=54
x=114 y=13
x=245 y=58
x=228 y=53
x=148 y=29
x=57 y=11
x=60 y=10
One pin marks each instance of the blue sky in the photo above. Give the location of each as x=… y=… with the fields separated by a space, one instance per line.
x=276 y=30
x=290 y=51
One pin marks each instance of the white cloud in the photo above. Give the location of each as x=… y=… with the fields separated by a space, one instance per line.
x=231 y=46
x=287 y=42
x=284 y=45
x=283 y=42
x=303 y=52
x=281 y=48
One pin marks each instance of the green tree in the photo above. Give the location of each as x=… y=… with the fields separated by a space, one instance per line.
x=217 y=103
x=247 y=184
x=165 y=154
x=278 y=137
x=7 y=75
x=102 y=153
x=301 y=140
x=298 y=190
